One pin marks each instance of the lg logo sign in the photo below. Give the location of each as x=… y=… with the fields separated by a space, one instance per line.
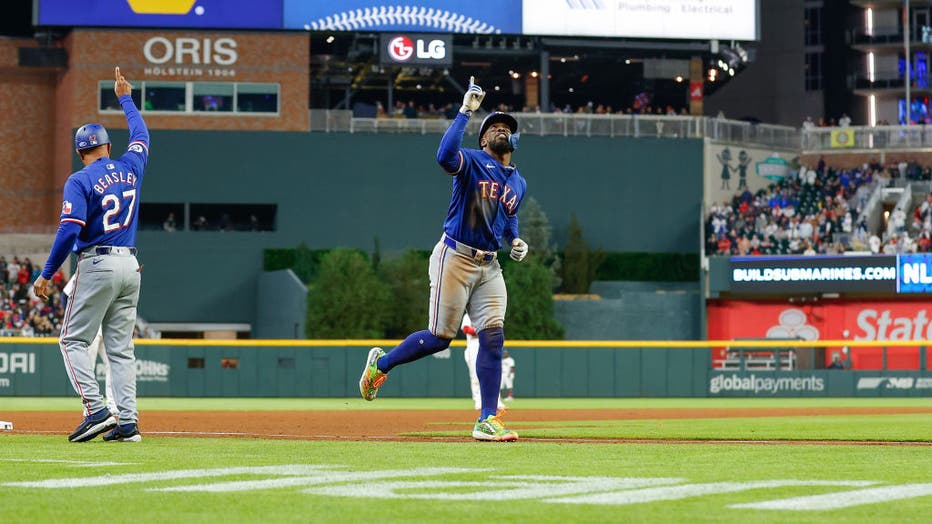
x=403 y=48
x=160 y=50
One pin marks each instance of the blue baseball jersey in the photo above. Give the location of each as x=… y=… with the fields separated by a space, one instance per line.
x=103 y=197
x=486 y=194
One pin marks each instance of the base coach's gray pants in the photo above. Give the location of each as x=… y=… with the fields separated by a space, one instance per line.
x=105 y=295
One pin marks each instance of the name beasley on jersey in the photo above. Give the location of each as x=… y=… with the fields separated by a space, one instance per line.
x=114 y=177
x=489 y=189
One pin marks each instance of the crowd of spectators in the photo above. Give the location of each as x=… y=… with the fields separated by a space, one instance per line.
x=815 y=211
x=819 y=211
x=411 y=110
x=22 y=314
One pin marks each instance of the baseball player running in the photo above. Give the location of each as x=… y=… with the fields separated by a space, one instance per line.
x=99 y=216
x=470 y=354
x=464 y=269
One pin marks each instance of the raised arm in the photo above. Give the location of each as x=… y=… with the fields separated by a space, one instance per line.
x=449 y=156
x=138 y=132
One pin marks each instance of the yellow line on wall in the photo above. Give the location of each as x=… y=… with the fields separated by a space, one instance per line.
x=736 y=344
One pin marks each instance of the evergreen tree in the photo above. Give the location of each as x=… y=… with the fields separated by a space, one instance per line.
x=347 y=300
x=530 y=303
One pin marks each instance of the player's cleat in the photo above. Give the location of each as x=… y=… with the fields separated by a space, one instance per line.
x=491 y=429
x=124 y=433
x=93 y=425
x=372 y=379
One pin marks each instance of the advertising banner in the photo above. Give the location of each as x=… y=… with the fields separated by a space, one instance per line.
x=447 y=16
x=868 y=320
x=694 y=19
x=416 y=49
x=730 y=169
x=220 y=14
x=808 y=274
x=786 y=275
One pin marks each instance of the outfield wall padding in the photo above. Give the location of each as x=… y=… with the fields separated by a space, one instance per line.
x=542 y=372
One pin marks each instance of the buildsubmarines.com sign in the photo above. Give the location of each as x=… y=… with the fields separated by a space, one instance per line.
x=831 y=274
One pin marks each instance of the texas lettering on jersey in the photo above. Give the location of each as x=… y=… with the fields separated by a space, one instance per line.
x=508 y=197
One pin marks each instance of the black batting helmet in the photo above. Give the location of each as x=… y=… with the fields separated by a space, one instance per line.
x=494 y=118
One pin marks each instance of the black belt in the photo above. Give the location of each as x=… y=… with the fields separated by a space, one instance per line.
x=108 y=250
x=471 y=252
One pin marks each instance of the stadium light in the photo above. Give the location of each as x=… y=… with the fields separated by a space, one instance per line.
x=678 y=79
x=330 y=39
x=870 y=66
x=869 y=14
x=533 y=74
x=872 y=110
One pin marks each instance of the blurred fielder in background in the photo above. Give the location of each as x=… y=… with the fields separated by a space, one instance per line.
x=470 y=354
x=99 y=216
x=508 y=376
x=464 y=271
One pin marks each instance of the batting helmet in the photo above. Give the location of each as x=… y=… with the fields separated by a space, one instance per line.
x=90 y=135
x=494 y=118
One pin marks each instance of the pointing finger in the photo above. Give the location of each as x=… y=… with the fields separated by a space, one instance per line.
x=116 y=70
x=472 y=81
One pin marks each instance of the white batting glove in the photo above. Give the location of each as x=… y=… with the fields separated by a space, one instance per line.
x=473 y=97
x=518 y=250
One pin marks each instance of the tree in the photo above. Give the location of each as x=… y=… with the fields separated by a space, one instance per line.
x=537 y=232
x=530 y=303
x=409 y=285
x=579 y=262
x=347 y=300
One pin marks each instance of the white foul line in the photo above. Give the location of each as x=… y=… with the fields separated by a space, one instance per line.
x=845 y=499
x=323 y=477
x=106 y=480
x=639 y=496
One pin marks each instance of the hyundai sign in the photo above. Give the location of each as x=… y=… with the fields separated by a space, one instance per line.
x=784 y=275
x=416 y=49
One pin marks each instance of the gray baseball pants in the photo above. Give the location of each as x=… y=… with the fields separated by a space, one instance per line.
x=105 y=296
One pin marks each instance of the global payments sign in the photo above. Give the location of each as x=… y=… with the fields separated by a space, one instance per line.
x=783 y=275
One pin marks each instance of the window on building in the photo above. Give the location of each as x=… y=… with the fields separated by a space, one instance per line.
x=232 y=217
x=164 y=96
x=813 y=71
x=166 y=217
x=213 y=96
x=257 y=98
x=108 y=99
x=197 y=97
x=813 y=26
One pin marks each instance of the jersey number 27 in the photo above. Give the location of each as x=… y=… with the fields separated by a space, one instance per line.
x=109 y=200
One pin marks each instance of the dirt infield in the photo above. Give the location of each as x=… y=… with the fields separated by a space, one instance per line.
x=390 y=424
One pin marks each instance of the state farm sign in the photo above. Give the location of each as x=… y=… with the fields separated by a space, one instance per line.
x=186 y=56
x=414 y=49
x=869 y=320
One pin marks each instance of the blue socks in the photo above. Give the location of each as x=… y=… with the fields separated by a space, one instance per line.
x=489 y=368
x=418 y=345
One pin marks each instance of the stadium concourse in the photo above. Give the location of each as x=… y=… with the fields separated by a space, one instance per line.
x=823 y=210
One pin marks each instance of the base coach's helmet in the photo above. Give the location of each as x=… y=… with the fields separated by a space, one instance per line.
x=494 y=118
x=90 y=135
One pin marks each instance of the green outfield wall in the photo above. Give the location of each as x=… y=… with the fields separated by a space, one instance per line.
x=349 y=190
x=201 y=369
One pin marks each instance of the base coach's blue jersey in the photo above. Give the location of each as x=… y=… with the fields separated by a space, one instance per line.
x=104 y=196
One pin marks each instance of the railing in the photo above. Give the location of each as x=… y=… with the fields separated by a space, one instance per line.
x=865 y=137
x=576 y=124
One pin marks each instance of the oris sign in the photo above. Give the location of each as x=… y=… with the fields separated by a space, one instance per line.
x=416 y=49
x=186 y=56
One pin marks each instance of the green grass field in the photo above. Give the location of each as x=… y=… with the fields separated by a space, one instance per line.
x=168 y=479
